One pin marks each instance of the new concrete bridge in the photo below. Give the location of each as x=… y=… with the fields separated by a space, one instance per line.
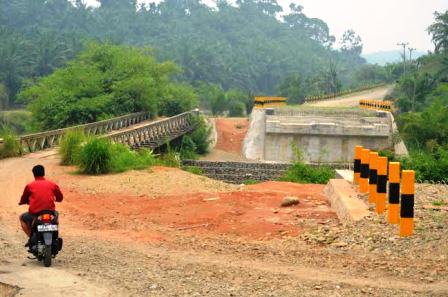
x=324 y=132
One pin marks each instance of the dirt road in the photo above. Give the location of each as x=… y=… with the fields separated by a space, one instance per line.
x=185 y=235
x=352 y=100
x=230 y=136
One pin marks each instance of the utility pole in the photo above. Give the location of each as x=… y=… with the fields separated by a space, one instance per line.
x=404 y=55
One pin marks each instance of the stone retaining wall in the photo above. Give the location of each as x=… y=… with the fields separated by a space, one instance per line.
x=238 y=172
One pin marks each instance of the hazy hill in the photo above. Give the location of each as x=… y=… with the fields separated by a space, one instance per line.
x=382 y=58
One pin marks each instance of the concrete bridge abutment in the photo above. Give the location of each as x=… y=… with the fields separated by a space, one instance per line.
x=321 y=136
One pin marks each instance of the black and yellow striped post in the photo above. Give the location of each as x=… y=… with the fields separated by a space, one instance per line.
x=394 y=193
x=407 y=203
x=357 y=164
x=364 y=177
x=373 y=176
x=381 y=185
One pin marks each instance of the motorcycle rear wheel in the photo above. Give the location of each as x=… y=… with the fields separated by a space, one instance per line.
x=47 y=256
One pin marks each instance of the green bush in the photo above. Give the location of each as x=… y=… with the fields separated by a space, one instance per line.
x=70 y=146
x=125 y=159
x=188 y=149
x=18 y=121
x=236 y=109
x=100 y=156
x=11 y=147
x=201 y=136
x=302 y=173
x=428 y=166
x=389 y=154
x=96 y=155
x=171 y=159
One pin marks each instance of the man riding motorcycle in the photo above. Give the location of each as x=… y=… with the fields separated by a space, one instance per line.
x=40 y=195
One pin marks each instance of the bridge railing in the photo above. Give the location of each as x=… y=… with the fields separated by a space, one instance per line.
x=156 y=133
x=47 y=139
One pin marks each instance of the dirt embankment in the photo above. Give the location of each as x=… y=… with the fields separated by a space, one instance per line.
x=230 y=133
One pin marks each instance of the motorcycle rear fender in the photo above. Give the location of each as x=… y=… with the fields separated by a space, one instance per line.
x=48 y=237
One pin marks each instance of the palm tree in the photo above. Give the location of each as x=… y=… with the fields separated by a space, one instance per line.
x=15 y=61
x=50 y=53
x=439 y=32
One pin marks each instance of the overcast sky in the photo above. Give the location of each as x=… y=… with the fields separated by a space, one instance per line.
x=380 y=23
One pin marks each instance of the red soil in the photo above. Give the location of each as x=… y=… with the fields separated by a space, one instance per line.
x=231 y=133
x=252 y=213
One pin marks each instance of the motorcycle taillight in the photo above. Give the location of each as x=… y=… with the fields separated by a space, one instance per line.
x=46 y=218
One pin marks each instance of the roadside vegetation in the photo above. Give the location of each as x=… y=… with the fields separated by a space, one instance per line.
x=300 y=172
x=97 y=155
x=70 y=146
x=18 y=121
x=421 y=96
x=10 y=146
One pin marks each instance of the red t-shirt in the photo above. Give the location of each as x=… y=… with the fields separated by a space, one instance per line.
x=40 y=195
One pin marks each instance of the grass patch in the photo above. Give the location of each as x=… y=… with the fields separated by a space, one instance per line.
x=10 y=147
x=171 y=159
x=101 y=156
x=250 y=182
x=124 y=159
x=439 y=203
x=194 y=169
x=95 y=157
x=300 y=172
x=70 y=146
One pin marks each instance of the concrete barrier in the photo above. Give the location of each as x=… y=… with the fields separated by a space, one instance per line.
x=345 y=202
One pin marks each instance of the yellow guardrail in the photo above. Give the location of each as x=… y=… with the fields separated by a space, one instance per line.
x=376 y=104
x=264 y=102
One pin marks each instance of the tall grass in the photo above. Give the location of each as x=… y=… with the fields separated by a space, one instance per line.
x=95 y=157
x=124 y=159
x=100 y=156
x=70 y=146
x=10 y=147
x=300 y=172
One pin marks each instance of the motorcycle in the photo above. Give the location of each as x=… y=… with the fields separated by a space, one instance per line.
x=45 y=242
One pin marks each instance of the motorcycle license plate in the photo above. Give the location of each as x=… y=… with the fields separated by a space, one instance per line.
x=46 y=228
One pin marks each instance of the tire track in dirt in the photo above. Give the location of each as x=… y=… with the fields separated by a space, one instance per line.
x=297 y=272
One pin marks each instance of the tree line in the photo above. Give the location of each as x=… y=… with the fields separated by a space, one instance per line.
x=421 y=96
x=246 y=47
